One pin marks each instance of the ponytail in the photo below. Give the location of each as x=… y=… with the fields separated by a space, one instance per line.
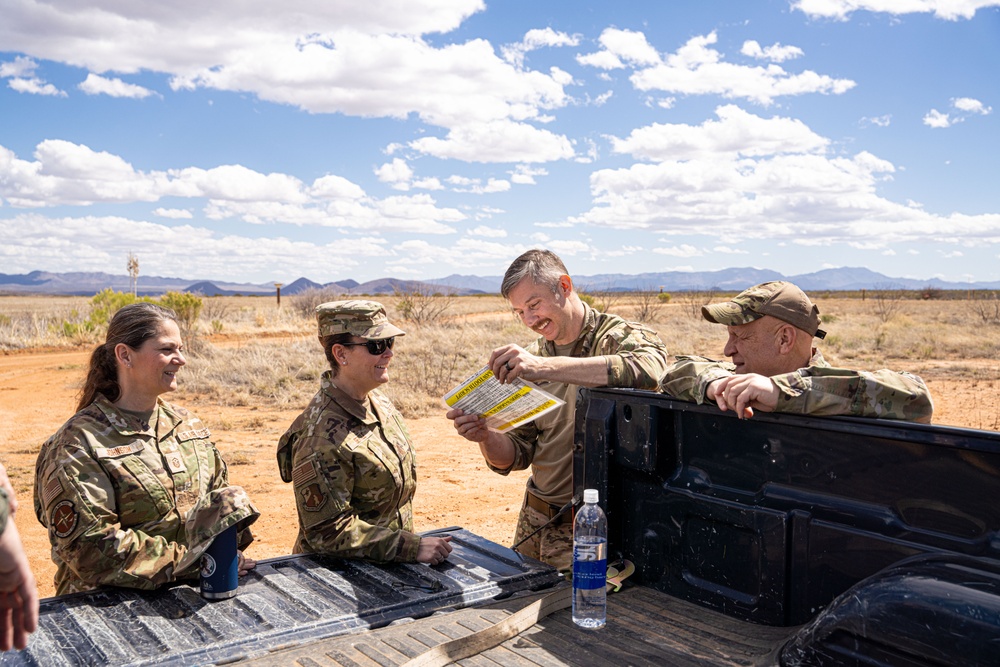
x=102 y=377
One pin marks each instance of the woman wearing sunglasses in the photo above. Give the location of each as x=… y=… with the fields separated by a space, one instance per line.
x=348 y=454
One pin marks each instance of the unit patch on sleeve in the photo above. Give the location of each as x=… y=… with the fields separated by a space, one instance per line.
x=64 y=518
x=313 y=498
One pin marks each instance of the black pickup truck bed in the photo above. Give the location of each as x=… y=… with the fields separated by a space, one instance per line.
x=645 y=627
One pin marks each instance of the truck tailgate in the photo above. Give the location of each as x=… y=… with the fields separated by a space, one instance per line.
x=285 y=602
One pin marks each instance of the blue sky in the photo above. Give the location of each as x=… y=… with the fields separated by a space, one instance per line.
x=420 y=138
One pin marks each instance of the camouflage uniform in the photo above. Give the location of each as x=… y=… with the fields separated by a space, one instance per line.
x=818 y=389
x=128 y=504
x=636 y=359
x=354 y=476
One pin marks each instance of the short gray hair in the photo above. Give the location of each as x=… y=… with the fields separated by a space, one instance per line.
x=543 y=267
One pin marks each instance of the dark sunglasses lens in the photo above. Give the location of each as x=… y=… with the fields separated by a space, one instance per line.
x=377 y=347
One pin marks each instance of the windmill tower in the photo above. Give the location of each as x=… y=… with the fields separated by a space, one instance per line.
x=133 y=271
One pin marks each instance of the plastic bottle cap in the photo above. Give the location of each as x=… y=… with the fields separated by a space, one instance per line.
x=590 y=495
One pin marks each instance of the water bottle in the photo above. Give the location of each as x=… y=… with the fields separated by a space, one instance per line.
x=590 y=563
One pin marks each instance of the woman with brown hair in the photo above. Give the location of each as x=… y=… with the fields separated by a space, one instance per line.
x=131 y=488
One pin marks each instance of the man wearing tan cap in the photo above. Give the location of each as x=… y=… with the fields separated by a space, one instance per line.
x=775 y=367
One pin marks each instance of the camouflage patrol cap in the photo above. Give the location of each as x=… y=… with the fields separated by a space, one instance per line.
x=366 y=319
x=776 y=298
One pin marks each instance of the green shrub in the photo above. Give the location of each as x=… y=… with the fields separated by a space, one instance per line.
x=107 y=302
x=103 y=307
x=186 y=305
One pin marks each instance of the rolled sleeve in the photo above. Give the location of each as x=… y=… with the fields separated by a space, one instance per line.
x=524 y=439
x=688 y=378
x=639 y=360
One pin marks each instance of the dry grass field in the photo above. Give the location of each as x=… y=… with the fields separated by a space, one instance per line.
x=254 y=366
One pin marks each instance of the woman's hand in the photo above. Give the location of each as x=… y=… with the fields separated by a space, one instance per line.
x=244 y=564
x=433 y=550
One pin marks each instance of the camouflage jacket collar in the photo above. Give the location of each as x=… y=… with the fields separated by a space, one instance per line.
x=351 y=406
x=817 y=360
x=585 y=341
x=166 y=419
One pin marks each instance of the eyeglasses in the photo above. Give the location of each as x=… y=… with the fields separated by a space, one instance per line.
x=375 y=347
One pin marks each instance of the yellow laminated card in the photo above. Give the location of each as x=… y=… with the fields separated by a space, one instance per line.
x=503 y=405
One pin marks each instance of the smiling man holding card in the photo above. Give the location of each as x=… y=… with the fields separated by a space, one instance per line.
x=578 y=346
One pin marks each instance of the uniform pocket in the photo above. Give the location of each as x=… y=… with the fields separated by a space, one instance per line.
x=140 y=495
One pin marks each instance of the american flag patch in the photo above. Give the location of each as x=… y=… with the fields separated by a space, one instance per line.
x=303 y=473
x=52 y=489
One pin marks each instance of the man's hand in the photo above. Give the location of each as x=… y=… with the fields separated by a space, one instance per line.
x=470 y=427
x=18 y=593
x=513 y=361
x=743 y=393
x=496 y=447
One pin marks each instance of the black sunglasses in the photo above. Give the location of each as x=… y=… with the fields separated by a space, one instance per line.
x=376 y=347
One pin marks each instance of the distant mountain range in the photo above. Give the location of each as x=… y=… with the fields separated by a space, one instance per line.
x=735 y=279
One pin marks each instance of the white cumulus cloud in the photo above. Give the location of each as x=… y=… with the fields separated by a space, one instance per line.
x=775 y=53
x=735 y=132
x=950 y=10
x=96 y=84
x=397 y=173
x=971 y=105
x=488 y=232
x=34 y=86
x=99 y=242
x=698 y=69
x=20 y=67
x=330 y=47
x=501 y=141
x=173 y=213
x=64 y=173
x=678 y=251
x=935 y=118
x=536 y=39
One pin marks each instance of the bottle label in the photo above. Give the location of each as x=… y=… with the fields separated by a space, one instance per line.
x=590 y=570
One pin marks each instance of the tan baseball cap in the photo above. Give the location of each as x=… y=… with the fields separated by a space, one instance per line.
x=366 y=319
x=776 y=298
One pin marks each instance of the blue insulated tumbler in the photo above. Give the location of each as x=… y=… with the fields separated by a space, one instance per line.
x=219 y=571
